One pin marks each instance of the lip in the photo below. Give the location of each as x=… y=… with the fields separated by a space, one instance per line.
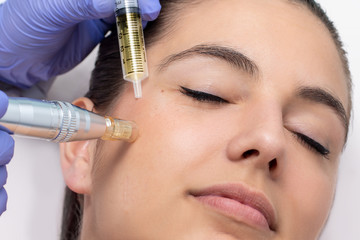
x=240 y=203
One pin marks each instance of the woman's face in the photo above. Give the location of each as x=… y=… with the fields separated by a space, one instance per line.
x=241 y=128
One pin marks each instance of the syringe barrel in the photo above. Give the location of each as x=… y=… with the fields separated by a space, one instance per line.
x=131 y=43
x=52 y=120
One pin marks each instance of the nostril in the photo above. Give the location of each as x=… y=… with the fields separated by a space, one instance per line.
x=251 y=152
x=272 y=164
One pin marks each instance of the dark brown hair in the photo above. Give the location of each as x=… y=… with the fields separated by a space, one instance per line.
x=105 y=85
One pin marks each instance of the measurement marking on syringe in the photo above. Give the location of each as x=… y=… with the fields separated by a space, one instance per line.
x=131 y=42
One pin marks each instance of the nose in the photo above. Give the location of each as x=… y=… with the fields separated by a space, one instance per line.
x=260 y=139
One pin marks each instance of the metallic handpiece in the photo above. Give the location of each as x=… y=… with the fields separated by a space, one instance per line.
x=58 y=121
x=131 y=43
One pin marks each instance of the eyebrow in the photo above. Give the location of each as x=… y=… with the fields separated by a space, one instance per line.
x=228 y=54
x=319 y=95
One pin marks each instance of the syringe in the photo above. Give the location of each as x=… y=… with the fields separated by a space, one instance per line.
x=131 y=43
x=58 y=121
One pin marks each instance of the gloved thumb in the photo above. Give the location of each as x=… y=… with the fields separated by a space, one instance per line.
x=4 y=102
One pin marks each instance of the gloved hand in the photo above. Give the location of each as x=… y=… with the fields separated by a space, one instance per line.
x=6 y=153
x=40 y=39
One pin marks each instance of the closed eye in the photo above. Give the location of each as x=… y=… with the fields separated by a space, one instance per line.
x=202 y=96
x=312 y=144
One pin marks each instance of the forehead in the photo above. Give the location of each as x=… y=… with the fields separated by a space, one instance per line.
x=284 y=39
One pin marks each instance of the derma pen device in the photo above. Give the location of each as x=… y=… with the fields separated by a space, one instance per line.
x=58 y=121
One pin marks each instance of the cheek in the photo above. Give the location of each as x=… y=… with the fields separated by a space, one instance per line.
x=309 y=192
x=147 y=179
x=172 y=135
x=172 y=143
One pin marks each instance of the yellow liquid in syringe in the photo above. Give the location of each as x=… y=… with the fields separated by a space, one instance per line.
x=132 y=49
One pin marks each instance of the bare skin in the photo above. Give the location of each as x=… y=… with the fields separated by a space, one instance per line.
x=250 y=137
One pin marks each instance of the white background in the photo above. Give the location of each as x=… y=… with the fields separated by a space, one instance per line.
x=35 y=184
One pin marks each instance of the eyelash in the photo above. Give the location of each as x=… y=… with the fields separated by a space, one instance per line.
x=312 y=144
x=202 y=96
x=207 y=97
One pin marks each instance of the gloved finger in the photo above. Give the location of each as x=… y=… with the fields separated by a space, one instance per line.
x=80 y=10
x=105 y=8
x=3 y=200
x=7 y=148
x=3 y=175
x=150 y=9
x=62 y=13
x=4 y=102
x=4 y=129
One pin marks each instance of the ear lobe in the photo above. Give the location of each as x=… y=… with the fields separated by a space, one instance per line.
x=76 y=166
x=76 y=161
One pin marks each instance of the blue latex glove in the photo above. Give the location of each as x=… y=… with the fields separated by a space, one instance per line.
x=40 y=39
x=6 y=152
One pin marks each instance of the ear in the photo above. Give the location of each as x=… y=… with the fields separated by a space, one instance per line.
x=76 y=158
